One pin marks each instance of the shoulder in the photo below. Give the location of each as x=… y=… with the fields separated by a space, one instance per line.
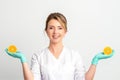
x=39 y=53
x=72 y=51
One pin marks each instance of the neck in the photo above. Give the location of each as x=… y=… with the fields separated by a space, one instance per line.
x=55 y=48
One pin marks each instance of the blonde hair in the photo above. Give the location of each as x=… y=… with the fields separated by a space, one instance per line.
x=59 y=17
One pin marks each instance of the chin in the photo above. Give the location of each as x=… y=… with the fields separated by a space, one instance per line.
x=55 y=42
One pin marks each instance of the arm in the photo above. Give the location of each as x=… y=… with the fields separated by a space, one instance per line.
x=91 y=71
x=26 y=71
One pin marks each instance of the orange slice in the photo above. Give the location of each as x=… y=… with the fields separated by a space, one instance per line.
x=12 y=48
x=107 y=50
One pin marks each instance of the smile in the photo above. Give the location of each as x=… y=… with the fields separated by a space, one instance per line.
x=56 y=36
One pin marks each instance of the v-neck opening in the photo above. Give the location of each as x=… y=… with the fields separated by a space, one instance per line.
x=60 y=55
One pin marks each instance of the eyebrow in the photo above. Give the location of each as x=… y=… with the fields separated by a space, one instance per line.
x=53 y=26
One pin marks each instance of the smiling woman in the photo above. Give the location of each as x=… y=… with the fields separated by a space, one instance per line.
x=58 y=62
x=55 y=31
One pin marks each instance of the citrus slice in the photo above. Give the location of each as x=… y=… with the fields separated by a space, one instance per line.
x=12 y=48
x=107 y=50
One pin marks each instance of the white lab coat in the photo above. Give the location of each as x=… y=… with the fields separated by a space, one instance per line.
x=68 y=66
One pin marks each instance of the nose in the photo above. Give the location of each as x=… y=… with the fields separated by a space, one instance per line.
x=55 y=30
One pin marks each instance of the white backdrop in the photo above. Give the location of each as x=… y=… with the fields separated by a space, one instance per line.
x=92 y=25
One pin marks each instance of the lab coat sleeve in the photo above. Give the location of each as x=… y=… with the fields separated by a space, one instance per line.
x=79 y=68
x=35 y=67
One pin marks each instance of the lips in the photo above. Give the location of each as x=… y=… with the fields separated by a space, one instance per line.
x=55 y=36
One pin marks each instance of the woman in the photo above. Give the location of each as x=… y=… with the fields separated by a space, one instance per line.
x=57 y=62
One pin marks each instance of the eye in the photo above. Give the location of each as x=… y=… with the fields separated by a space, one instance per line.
x=50 y=27
x=59 y=27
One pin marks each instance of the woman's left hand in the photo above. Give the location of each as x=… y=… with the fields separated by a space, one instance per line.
x=100 y=56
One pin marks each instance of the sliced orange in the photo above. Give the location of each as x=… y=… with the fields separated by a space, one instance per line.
x=107 y=50
x=12 y=48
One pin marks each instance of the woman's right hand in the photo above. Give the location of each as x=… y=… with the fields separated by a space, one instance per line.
x=17 y=54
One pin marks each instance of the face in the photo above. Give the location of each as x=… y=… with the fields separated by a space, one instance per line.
x=55 y=31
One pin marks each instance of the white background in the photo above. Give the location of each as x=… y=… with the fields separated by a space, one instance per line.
x=92 y=25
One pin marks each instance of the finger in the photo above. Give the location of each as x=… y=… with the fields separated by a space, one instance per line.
x=113 y=52
x=6 y=50
x=9 y=53
x=18 y=52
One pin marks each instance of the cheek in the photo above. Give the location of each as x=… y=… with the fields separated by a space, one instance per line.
x=48 y=33
x=63 y=34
